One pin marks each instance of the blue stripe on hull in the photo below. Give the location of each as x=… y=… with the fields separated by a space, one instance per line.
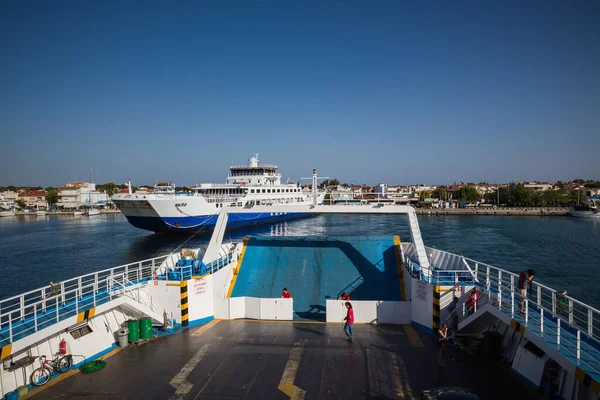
x=206 y=223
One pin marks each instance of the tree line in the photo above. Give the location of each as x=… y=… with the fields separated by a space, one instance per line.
x=513 y=196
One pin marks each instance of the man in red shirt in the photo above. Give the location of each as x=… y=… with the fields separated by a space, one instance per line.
x=349 y=322
x=285 y=294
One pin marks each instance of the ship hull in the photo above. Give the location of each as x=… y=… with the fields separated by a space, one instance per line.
x=206 y=223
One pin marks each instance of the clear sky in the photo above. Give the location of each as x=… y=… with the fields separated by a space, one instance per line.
x=365 y=91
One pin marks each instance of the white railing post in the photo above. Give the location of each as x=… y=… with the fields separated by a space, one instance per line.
x=464 y=309
x=539 y=296
x=526 y=311
x=10 y=332
x=542 y=322
x=76 y=301
x=571 y=311
x=22 y=307
x=79 y=287
x=139 y=271
x=95 y=288
x=476 y=271
x=558 y=333
x=578 y=345
x=553 y=303
x=57 y=312
x=126 y=269
x=35 y=317
x=512 y=296
x=62 y=292
x=590 y=322
x=499 y=290
x=487 y=282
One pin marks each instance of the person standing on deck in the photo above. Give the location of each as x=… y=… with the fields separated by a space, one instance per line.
x=442 y=337
x=285 y=294
x=349 y=322
x=525 y=278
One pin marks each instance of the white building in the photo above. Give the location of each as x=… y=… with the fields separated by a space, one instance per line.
x=78 y=194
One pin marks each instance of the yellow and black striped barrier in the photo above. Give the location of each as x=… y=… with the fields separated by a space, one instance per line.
x=437 y=296
x=185 y=318
x=5 y=351
x=589 y=382
x=517 y=326
x=82 y=316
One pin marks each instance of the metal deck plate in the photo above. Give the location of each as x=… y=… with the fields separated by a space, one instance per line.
x=262 y=360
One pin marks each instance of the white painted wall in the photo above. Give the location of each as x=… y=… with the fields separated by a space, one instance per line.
x=166 y=295
x=529 y=365
x=200 y=298
x=221 y=308
x=255 y=308
x=237 y=307
x=375 y=311
x=104 y=327
x=422 y=303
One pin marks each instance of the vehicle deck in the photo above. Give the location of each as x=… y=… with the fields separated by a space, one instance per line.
x=253 y=360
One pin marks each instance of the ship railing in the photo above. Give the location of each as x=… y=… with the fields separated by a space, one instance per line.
x=545 y=311
x=436 y=276
x=173 y=272
x=37 y=309
x=119 y=285
x=572 y=312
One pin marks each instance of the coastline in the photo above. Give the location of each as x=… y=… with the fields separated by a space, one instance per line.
x=531 y=212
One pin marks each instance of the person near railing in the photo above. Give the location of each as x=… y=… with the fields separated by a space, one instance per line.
x=344 y=296
x=442 y=338
x=285 y=294
x=472 y=301
x=525 y=279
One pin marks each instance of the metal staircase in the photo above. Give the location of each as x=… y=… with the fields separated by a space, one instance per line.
x=120 y=286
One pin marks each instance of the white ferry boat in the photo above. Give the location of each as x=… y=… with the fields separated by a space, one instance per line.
x=247 y=186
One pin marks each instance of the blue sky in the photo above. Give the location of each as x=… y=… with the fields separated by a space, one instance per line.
x=366 y=91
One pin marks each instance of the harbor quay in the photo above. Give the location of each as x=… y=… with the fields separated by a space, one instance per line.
x=530 y=211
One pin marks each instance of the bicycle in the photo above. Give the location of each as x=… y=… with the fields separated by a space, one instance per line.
x=41 y=375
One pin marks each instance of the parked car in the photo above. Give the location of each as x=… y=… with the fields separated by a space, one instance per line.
x=449 y=393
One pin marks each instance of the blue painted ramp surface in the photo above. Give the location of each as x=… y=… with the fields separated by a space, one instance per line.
x=315 y=269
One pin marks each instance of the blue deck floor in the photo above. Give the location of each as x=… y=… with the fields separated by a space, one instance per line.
x=317 y=269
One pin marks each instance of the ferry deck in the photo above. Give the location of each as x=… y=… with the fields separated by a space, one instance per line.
x=223 y=339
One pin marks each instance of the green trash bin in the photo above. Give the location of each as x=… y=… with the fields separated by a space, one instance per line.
x=134 y=330
x=145 y=328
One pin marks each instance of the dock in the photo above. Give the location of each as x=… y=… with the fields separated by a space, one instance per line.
x=525 y=212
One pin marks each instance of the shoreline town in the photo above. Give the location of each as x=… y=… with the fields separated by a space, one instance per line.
x=512 y=199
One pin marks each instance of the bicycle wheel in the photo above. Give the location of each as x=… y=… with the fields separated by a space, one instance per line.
x=65 y=363
x=40 y=376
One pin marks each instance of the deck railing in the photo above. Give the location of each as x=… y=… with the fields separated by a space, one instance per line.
x=568 y=324
x=171 y=271
x=37 y=309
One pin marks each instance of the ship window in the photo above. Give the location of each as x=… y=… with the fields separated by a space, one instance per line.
x=264 y=191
